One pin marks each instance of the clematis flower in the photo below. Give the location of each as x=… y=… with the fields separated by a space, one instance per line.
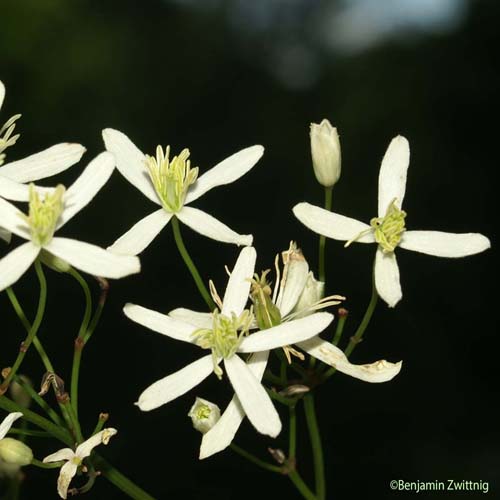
x=172 y=184
x=74 y=459
x=226 y=337
x=50 y=212
x=388 y=229
x=13 y=453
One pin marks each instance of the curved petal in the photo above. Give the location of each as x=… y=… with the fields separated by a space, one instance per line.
x=444 y=244
x=238 y=285
x=44 y=164
x=13 y=220
x=2 y=93
x=332 y=225
x=88 y=184
x=387 y=277
x=63 y=454
x=294 y=284
x=253 y=397
x=175 y=385
x=16 y=263
x=141 y=234
x=66 y=474
x=210 y=227
x=93 y=259
x=220 y=436
x=7 y=423
x=161 y=323
x=287 y=333
x=380 y=371
x=130 y=161
x=392 y=176
x=197 y=319
x=5 y=235
x=226 y=171
x=85 y=449
x=12 y=190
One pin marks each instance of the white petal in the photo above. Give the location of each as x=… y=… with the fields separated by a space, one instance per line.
x=16 y=263
x=2 y=93
x=380 y=371
x=197 y=319
x=13 y=220
x=294 y=286
x=85 y=449
x=130 y=161
x=7 y=423
x=66 y=474
x=253 y=397
x=92 y=259
x=226 y=171
x=175 y=385
x=392 y=176
x=161 y=323
x=88 y=184
x=44 y=164
x=210 y=227
x=5 y=235
x=332 y=225
x=286 y=333
x=141 y=234
x=63 y=454
x=220 y=436
x=12 y=190
x=444 y=244
x=238 y=285
x=387 y=277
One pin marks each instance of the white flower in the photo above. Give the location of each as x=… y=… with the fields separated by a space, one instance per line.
x=75 y=458
x=325 y=152
x=225 y=335
x=50 y=212
x=172 y=184
x=388 y=229
x=13 y=453
x=204 y=415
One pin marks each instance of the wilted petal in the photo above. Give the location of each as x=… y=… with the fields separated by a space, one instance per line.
x=226 y=171
x=238 y=286
x=197 y=319
x=85 y=449
x=8 y=421
x=392 y=175
x=44 y=164
x=66 y=474
x=175 y=385
x=444 y=244
x=287 y=333
x=16 y=263
x=161 y=323
x=130 y=161
x=212 y=228
x=332 y=225
x=387 y=277
x=92 y=259
x=13 y=220
x=253 y=397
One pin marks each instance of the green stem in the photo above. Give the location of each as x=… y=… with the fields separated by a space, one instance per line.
x=29 y=432
x=322 y=239
x=34 y=328
x=340 y=328
x=301 y=485
x=292 y=435
x=119 y=480
x=190 y=264
x=49 y=465
x=316 y=446
x=255 y=460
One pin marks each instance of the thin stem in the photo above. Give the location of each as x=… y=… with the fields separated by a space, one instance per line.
x=340 y=328
x=190 y=264
x=316 y=446
x=255 y=460
x=48 y=465
x=292 y=435
x=33 y=330
x=322 y=239
x=301 y=485
x=29 y=432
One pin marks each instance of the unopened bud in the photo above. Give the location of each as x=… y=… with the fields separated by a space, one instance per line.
x=204 y=415
x=325 y=152
x=19 y=394
x=15 y=452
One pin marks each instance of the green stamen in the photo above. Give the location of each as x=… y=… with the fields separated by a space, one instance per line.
x=389 y=229
x=266 y=312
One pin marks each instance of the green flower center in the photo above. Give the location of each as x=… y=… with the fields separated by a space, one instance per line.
x=171 y=178
x=389 y=229
x=267 y=313
x=44 y=214
x=203 y=412
x=6 y=137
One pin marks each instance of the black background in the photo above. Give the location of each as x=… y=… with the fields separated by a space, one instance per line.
x=192 y=77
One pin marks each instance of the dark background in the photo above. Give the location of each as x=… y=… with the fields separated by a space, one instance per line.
x=216 y=76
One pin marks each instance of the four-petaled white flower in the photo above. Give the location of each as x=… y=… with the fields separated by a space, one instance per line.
x=74 y=459
x=388 y=229
x=50 y=211
x=226 y=337
x=171 y=183
x=14 y=175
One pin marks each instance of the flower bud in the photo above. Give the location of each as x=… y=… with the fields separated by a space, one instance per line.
x=19 y=394
x=325 y=152
x=204 y=415
x=15 y=452
x=311 y=294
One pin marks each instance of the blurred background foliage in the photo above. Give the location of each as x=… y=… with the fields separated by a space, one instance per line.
x=219 y=75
